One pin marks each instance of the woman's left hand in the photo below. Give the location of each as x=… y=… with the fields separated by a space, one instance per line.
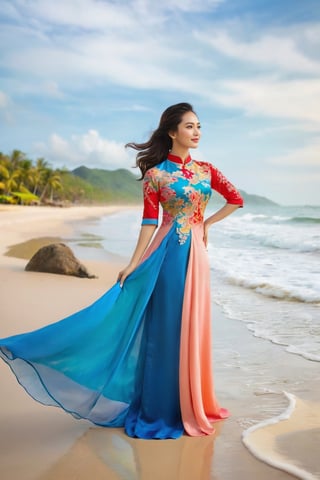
x=226 y=210
x=205 y=234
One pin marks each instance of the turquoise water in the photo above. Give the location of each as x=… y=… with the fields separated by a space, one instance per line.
x=265 y=265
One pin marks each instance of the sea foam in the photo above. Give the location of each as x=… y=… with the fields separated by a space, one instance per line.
x=261 y=441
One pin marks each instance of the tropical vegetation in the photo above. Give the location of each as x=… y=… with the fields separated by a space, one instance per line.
x=28 y=182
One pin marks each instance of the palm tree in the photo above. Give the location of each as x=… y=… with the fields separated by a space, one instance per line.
x=36 y=179
x=25 y=170
x=39 y=173
x=11 y=182
x=52 y=182
x=41 y=164
x=4 y=175
x=16 y=158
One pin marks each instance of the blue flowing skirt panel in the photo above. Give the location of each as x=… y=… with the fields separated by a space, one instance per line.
x=116 y=362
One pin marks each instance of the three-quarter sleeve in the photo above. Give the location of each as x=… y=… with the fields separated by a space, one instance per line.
x=222 y=185
x=151 y=197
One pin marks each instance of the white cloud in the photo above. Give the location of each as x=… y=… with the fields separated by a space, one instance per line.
x=53 y=89
x=114 y=49
x=312 y=34
x=87 y=14
x=89 y=149
x=276 y=56
x=4 y=100
x=302 y=127
x=6 y=109
x=296 y=99
x=83 y=41
x=102 y=15
x=183 y=5
x=269 y=50
x=307 y=156
x=140 y=62
x=290 y=187
x=9 y=10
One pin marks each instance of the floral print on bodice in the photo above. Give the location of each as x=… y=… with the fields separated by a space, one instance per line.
x=183 y=189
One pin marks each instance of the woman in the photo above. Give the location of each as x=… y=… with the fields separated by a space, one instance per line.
x=140 y=356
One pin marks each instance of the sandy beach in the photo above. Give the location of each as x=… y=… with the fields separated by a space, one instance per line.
x=38 y=442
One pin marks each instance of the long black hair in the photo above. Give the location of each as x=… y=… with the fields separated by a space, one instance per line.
x=156 y=149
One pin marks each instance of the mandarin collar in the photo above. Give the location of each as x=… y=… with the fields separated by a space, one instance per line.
x=176 y=159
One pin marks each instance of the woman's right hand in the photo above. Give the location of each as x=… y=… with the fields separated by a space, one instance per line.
x=124 y=274
x=145 y=236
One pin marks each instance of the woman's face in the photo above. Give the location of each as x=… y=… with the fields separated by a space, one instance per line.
x=188 y=132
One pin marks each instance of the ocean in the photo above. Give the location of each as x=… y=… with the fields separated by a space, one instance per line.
x=265 y=267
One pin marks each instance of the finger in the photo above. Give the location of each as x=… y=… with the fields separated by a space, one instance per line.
x=122 y=279
x=205 y=240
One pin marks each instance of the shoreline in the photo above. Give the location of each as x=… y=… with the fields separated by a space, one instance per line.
x=295 y=431
x=23 y=222
x=45 y=443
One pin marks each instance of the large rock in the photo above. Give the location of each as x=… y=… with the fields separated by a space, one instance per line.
x=57 y=258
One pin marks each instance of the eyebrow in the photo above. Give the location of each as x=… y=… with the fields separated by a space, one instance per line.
x=192 y=123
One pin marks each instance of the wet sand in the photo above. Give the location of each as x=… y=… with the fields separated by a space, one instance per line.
x=38 y=442
x=293 y=442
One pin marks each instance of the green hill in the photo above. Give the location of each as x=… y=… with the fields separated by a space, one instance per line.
x=257 y=199
x=86 y=185
x=118 y=185
x=248 y=198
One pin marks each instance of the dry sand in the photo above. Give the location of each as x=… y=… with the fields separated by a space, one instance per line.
x=38 y=442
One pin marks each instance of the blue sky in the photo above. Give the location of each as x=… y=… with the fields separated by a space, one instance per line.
x=80 y=78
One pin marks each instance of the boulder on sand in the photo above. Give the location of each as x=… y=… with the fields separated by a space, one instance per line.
x=57 y=258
